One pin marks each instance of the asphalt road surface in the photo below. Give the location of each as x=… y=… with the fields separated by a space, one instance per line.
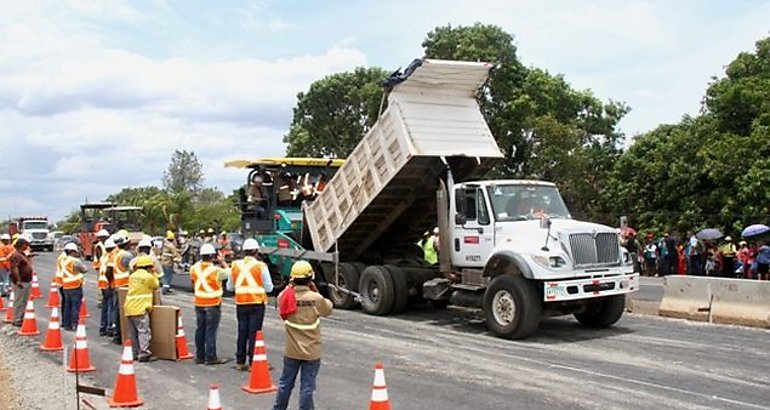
x=446 y=360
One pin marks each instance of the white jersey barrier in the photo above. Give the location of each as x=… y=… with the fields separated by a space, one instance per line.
x=686 y=297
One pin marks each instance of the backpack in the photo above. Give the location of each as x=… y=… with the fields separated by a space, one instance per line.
x=287 y=302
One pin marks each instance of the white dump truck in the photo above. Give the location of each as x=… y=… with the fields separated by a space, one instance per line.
x=508 y=247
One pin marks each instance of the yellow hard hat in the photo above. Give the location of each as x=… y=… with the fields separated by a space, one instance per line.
x=201 y=232
x=15 y=236
x=211 y=230
x=170 y=235
x=301 y=269
x=144 y=261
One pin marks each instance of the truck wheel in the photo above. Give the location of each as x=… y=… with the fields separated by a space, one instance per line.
x=376 y=289
x=603 y=312
x=512 y=307
x=348 y=280
x=400 y=287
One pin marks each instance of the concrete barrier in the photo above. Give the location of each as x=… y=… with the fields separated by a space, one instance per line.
x=686 y=297
x=741 y=302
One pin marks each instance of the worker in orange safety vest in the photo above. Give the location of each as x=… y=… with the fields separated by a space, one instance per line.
x=118 y=272
x=106 y=321
x=207 y=276
x=250 y=280
x=72 y=270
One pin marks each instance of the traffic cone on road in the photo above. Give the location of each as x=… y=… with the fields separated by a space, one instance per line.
x=379 y=390
x=2 y=304
x=214 y=403
x=125 y=394
x=9 y=311
x=80 y=360
x=29 y=325
x=53 y=336
x=83 y=310
x=53 y=297
x=259 y=380
x=35 y=293
x=181 y=341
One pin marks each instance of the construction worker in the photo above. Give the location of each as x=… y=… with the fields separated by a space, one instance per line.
x=141 y=284
x=429 y=245
x=209 y=236
x=170 y=256
x=250 y=280
x=6 y=250
x=728 y=253
x=145 y=248
x=303 y=337
x=107 y=319
x=97 y=250
x=118 y=273
x=72 y=270
x=207 y=276
x=21 y=277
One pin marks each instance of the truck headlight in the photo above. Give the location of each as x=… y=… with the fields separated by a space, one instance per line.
x=627 y=257
x=550 y=262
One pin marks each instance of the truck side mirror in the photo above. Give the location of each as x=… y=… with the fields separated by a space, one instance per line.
x=460 y=219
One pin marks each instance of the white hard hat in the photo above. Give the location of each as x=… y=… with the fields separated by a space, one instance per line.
x=208 y=249
x=109 y=243
x=120 y=239
x=71 y=247
x=250 y=244
x=145 y=243
x=5 y=237
x=102 y=233
x=435 y=231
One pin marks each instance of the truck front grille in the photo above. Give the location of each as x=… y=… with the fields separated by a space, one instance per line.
x=39 y=235
x=598 y=249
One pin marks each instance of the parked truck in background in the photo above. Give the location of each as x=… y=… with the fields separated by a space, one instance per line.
x=508 y=247
x=35 y=230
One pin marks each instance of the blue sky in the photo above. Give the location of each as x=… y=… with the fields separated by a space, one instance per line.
x=96 y=95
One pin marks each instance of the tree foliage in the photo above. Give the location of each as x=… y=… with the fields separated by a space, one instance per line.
x=709 y=170
x=335 y=113
x=184 y=173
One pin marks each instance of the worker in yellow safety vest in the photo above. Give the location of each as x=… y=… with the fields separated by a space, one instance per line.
x=250 y=280
x=72 y=270
x=106 y=321
x=207 y=276
x=141 y=285
x=117 y=273
x=303 y=336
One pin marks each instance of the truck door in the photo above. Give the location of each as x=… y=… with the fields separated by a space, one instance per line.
x=473 y=233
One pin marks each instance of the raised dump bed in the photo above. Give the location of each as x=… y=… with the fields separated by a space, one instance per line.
x=384 y=197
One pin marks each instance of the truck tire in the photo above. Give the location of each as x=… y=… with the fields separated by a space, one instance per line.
x=512 y=307
x=348 y=280
x=603 y=312
x=400 y=287
x=377 y=291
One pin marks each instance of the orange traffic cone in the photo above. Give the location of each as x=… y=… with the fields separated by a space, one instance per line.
x=214 y=403
x=125 y=394
x=9 y=311
x=53 y=297
x=35 y=294
x=2 y=304
x=181 y=341
x=379 y=390
x=80 y=360
x=53 y=337
x=259 y=381
x=29 y=325
x=83 y=310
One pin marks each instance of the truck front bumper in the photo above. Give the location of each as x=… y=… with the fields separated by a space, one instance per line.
x=566 y=290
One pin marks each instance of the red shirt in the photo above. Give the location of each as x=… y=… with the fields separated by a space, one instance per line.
x=21 y=268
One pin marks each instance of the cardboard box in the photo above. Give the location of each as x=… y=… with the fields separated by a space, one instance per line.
x=163 y=322
x=121 y=301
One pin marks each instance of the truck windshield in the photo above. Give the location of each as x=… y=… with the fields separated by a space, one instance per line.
x=36 y=225
x=524 y=202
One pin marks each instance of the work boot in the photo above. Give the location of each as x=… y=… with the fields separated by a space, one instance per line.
x=102 y=332
x=218 y=360
x=199 y=361
x=147 y=358
x=242 y=367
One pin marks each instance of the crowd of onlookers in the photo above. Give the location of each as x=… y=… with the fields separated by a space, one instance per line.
x=671 y=255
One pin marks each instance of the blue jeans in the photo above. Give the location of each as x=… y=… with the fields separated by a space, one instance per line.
x=4 y=281
x=207 y=319
x=168 y=272
x=307 y=383
x=250 y=318
x=71 y=311
x=116 y=317
x=108 y=310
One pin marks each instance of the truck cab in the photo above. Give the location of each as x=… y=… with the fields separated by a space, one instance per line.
x=35 y=231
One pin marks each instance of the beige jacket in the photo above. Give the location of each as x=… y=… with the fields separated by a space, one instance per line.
x=303 y=328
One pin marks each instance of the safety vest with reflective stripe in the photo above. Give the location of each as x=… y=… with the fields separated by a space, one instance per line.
x=97 y=252
x=57 y=279
x=70 y=278
x=104 y=261
x=206 y=283
x=247 y=281
x=300 y=326
x=120 y=274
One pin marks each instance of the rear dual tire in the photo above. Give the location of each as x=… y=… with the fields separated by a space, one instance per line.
x=384 y=290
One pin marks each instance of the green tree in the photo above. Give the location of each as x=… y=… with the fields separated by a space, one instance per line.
x=335 y=113
x=184 y=173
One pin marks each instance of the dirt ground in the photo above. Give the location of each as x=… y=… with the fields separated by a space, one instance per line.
x=7 y=391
